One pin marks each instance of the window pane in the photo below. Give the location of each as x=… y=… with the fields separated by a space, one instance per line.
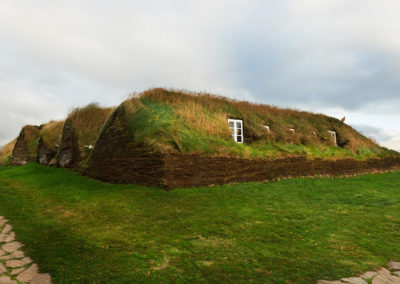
x=231 y=124
x=239 y=139
x=238 y=124
x=239 y=132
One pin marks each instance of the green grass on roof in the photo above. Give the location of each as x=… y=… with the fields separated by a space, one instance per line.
x=175 y=121
x=171 y=121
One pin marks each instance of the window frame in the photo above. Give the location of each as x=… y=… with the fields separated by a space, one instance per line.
x=333 y=135
x=235 y=129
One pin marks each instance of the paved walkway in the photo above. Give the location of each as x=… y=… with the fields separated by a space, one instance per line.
x=389 y=275
x=15 y=267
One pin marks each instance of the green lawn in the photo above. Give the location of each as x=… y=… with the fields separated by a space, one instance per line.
x=294 y=231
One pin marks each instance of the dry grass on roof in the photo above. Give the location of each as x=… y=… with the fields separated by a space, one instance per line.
x=175 y=120
x=32 y=134
x=87 y=122
x=6 y=151
x=207 y=114
x=51 y=133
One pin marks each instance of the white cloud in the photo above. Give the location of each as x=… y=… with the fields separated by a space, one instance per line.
x=393 y=142
x=318 y=55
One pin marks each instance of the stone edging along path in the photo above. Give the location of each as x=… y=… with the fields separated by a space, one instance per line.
x=15 y=267
x=381 y=276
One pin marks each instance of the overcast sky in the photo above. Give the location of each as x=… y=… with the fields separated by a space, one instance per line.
x=338 y=57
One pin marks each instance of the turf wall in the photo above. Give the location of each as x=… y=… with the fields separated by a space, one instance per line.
x=197 y=170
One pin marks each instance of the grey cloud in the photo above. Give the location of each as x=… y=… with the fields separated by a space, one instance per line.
x=284 y=73
x=59 y=54
x=374 y=132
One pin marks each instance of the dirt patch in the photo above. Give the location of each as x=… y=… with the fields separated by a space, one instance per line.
x=162 y=265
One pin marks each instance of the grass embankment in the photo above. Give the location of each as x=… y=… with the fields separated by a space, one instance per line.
x=293 y=231
x=6 y=152
x=175 y=121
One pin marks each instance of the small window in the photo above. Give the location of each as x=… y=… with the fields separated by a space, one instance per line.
x=236 y=128
x=292 y=130
x=267 y=127
x=333 y=134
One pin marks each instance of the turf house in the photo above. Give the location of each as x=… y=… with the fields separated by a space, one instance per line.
x=170 y=139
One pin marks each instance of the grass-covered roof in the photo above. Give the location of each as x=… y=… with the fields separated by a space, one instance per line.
x=171 y=121
x=6 y=151
x=175 y=121
x=51 y=133
x=87 y=122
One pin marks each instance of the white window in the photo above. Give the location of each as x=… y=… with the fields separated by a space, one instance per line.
x=267 y=127
x=333 y=133
x=292 y=130
x=236 y=127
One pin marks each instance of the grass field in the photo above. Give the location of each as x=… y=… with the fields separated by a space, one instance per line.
x=293 y=231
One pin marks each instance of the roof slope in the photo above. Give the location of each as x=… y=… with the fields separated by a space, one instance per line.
x=51 y=133
x=87 y=122
x=171 y=121
x=6 y=151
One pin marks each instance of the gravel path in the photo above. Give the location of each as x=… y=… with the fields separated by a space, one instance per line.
x=389 y=275
x=15 y=267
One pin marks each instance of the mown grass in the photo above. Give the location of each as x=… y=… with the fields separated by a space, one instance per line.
x=294 y=231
